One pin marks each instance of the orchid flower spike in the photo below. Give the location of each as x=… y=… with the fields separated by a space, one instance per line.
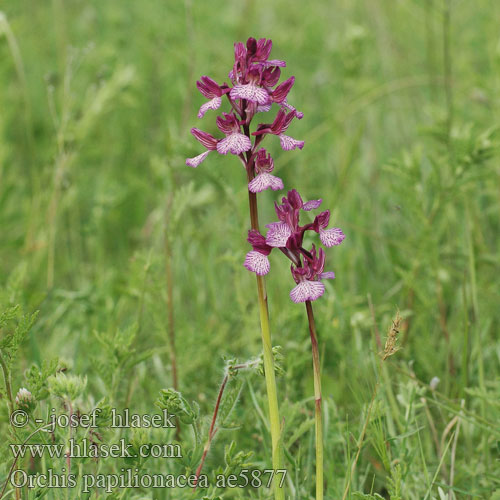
x=254 y=88
x=287 y=235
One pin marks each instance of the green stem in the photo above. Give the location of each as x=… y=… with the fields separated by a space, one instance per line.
x=448 y=74
x=361 y=440
x=317 y=401
x=8 y=386
x=212 y=431
x=170 y=298
x=10 y=402
x=170 y=305
x=272 y=395
x=14 y=462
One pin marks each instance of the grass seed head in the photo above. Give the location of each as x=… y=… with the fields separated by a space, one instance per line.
x=391 y=346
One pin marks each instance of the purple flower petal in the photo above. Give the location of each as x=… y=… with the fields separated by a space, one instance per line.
x=264 y=162
x=250 y=92
x=263 y=108
x=322 y=220
x=270 y=76
x=194 y=162
x=206 y=139
x=328 y=275
x=295 y=199
x=258 y=242
x=289 y=143
x=307 y=290
x=259 y=49
x=236 y=143
x=275 y=62
x=278 y=234
x=298 y=114
x=331 y=237
x=312 y=204
x=281 y=91
x=257 y=263
x=212 y=104
x=265 y=181
x=227 y=123
x=208 y=87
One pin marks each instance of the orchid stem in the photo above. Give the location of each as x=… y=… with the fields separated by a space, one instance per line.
x=272 y=395
x=317 y=401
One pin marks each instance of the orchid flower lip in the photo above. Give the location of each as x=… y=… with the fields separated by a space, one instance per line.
x=235 y=143
x=307 y=291
x=264 y=181
x=214 y=104
x=257 y=263
x=278 y=234
x=289 y=143
x=331 y=237
x=194 y=162
x=250 y=92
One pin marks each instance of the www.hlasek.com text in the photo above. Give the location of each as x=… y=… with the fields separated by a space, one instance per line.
x=85 y=448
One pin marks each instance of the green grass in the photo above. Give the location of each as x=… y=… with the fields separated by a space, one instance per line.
x=97 y=99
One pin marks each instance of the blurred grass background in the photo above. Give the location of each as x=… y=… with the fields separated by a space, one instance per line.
x=401 y=103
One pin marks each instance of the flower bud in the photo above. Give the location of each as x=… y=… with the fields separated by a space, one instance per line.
x=25 y=400
x=434 y=383
x=173 y=401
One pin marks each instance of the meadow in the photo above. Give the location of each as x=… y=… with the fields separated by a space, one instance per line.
x=121 y=268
